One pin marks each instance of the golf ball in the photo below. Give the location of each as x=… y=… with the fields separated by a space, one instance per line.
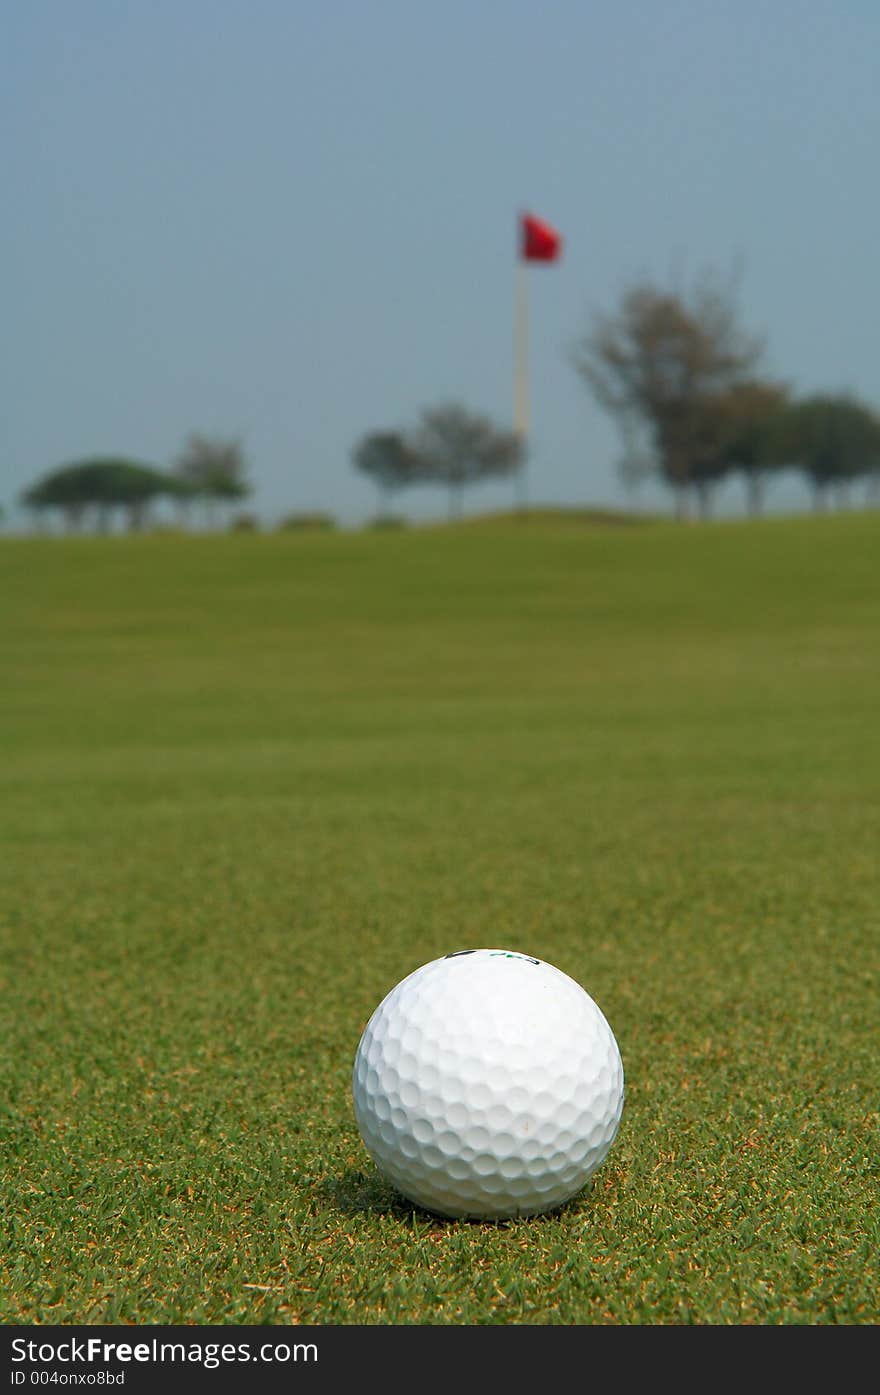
x=488 y=1084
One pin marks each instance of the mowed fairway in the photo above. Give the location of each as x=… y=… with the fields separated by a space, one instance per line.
x=250 y=782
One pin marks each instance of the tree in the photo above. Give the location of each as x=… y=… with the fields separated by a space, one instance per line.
x=636 y=462
x=62 y=489
x=748 y=416
x=833 y=439
x=388 y=459
x=102 y=484
x=456 y=447
x=212 y=470
x=657 y=362
x=134 y=487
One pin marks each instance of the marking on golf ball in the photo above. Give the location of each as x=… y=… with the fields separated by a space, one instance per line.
x=485 y=1089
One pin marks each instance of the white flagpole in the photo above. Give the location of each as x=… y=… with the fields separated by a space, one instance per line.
x=521 y=369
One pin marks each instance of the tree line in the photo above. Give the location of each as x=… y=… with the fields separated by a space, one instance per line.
x=680 y=377
x=453 y=447
x=675 y=370
x=209 y=472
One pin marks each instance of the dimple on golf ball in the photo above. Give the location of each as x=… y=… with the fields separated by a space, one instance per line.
x=488 y=1084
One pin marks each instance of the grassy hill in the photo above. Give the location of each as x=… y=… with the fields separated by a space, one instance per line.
x=250 y=782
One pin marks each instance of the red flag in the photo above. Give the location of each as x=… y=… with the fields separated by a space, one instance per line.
x=538 y=241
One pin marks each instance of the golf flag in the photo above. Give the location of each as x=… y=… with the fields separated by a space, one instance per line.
x=538 y=241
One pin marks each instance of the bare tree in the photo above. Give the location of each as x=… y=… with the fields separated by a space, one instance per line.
x=212 y=470
x=658 y=360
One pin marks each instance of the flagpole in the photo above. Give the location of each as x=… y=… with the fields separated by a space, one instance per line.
x=521 y=370
x=539 y=242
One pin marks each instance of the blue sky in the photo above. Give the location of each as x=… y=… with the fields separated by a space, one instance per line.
x=296 y=222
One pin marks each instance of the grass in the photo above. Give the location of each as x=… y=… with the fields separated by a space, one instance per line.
x=250 y=782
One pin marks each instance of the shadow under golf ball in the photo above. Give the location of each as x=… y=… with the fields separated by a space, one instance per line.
x=357 y=1192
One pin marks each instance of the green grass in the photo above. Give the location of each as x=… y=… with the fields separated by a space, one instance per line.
x=250 y=782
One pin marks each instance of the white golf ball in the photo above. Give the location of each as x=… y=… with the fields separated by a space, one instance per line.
x=488 y=1084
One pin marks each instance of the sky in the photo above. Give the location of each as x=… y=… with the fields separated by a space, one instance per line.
x=292 y=223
